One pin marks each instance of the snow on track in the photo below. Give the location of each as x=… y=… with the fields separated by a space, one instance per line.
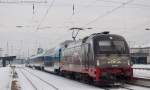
x=141 y=73
x=41 y=80
x=30 y=82
x=51 y=85
x=129 y=87
x=134 y=87
x=35 y=83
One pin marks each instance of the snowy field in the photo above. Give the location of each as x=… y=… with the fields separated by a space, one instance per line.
x=142 y=71
x=5 y=78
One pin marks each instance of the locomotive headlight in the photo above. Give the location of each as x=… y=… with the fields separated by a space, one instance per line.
x=128 y=62
x=98 y=63
x=114 y=61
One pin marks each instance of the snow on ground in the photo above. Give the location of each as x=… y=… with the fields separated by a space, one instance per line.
x=60 y=82
x=5 y=78
x=24 y=84
x=134 y=87
x=37 y=82
x=141 y=72
x=141 y=66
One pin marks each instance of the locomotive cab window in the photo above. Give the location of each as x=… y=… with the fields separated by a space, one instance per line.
x=104 y=43
x=110 y=47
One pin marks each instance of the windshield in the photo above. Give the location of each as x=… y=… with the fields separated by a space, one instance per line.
x=110 y=46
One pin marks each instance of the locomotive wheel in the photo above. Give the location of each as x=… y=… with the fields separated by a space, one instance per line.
x=87 y=79
x=62 y=73
x=42 y=68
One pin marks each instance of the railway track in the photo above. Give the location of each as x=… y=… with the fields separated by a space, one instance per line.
x=122 y=87
x=142 y=69
x=28 y=80
x=125 y=86
x=33 y=85
x=141 y=82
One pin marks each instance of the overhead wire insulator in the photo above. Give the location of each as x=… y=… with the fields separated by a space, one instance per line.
x=33 y=9
x=73 y=9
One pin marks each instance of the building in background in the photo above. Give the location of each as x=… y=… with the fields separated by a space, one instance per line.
x=140 y=55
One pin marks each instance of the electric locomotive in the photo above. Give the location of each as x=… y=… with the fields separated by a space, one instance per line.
x=100 y=57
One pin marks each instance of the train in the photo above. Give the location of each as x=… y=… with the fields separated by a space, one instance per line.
x=48 y=61
x=98 y=58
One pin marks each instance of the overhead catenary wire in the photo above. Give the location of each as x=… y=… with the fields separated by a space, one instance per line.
x=109 y=12
x=90 y=4
x=119 y=2
x=22 y=1
x=50 y=6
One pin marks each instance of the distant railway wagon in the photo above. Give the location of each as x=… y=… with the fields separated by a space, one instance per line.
x=37 y=61
x=100 y=57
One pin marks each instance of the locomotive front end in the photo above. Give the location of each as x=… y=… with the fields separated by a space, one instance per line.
x=112 y=58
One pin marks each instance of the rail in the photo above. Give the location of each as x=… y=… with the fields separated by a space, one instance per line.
x=28 y=80
x=142 y=68
x=42 y=80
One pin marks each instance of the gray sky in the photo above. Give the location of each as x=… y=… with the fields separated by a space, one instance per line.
x=129 y=20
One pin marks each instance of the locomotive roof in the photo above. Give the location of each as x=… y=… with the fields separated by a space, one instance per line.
x=70 y=43
x=115 y=36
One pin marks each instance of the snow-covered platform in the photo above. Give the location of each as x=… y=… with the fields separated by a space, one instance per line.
x=5 y=78
x=141 y=71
